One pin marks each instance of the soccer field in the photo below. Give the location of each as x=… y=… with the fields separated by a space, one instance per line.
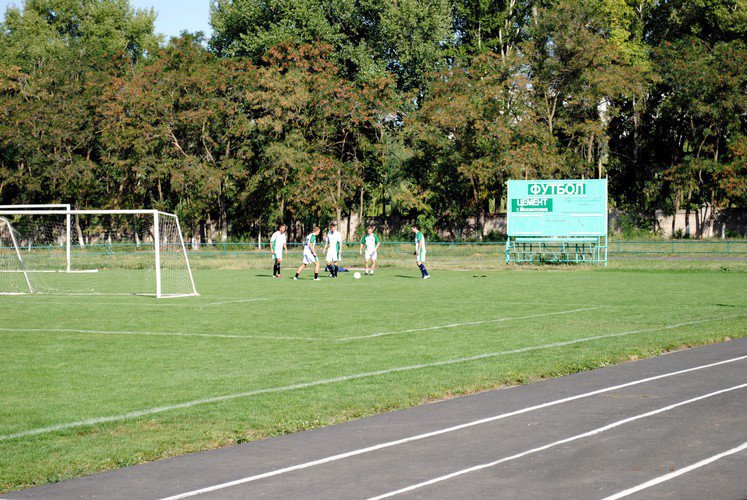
x=97 y=382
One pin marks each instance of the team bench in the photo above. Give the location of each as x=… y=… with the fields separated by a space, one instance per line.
x=567 y=249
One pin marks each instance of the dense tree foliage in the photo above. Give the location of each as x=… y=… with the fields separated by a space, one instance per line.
x=315 y=109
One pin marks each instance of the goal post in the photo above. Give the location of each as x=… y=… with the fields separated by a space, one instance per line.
x=14 y=279
x=129 y=251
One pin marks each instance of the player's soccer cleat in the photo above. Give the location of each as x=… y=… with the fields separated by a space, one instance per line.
x=426 y=276
x=295 y=279
x=317 y=279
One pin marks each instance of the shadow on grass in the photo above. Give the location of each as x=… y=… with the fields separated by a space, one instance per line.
x=403 y=276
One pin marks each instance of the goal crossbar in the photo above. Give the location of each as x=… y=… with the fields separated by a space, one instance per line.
x=33 y=211
x=64 y=206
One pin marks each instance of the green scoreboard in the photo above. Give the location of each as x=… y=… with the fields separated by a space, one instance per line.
x=557 y=208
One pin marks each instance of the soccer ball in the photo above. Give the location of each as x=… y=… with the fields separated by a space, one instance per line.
x=357 y=276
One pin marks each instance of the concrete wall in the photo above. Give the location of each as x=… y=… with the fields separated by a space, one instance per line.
x=387 y=226
x=704 y=223
x=709 y=223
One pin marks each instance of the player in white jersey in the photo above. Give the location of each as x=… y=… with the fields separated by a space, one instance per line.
x=278 y=244
x=420 y=251
x=333 y=248
x=370 y=242
x=309 y=254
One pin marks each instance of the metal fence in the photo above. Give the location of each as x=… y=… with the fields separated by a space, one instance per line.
x=678 y=247
x=615 y=247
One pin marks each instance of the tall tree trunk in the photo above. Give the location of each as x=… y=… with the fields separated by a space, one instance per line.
x=687 y=214
x=636 y=140
x=78 y=230
x=282 y=206
x=223 y=212
x=339 y=196
x=360 y=210
x=350 y=216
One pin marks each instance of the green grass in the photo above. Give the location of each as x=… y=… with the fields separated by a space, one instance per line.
x=53 y=376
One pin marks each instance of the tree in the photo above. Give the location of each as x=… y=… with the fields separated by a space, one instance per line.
x=491 y=25
x=368 y=38
x=64 y=53
x=577 y=75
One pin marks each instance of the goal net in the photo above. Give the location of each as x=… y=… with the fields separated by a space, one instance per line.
x=93 y=252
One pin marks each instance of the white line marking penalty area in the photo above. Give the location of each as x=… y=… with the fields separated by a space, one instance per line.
x=446 y=430
x=469 y=323
x=591 y=433
x=268 y=337
x=343 y=378
x=168 y=334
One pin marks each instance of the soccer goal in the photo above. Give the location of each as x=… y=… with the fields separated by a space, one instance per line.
x=65 y=251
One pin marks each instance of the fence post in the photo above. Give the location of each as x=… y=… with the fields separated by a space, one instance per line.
x=727 y=247
x=618 y=246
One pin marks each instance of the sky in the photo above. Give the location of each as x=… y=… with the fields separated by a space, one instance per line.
x=173 y=15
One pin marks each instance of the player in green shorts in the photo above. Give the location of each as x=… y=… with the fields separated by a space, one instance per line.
x=420 y=251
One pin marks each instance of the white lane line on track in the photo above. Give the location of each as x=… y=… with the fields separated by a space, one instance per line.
x=591 y=433
x=469 y=323
x=168 y=334
x=446 y=430
x=344 y=378
x=672 y=475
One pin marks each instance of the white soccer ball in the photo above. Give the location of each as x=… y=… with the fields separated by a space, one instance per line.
x=357 y=276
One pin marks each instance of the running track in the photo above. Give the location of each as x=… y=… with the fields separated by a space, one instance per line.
x=674 y=426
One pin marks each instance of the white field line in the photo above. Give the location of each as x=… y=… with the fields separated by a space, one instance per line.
x=91 y=303
x=591 y=433
x=446 y=430
x=277 y=337
x=242 y=301
x=343 y=378
x=672 y=475
x=468 y=323
x=169 y=334
x=25 y=298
